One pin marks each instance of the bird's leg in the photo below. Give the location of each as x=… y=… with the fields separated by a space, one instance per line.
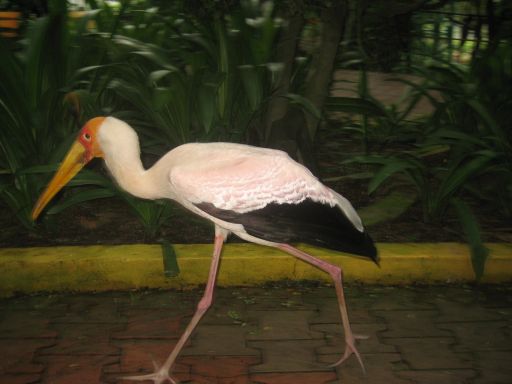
x=336 y=274
x=162 y=374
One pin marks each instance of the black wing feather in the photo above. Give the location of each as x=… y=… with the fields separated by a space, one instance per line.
x=309 y=222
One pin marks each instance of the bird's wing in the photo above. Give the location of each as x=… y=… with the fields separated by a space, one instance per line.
x=242 y=182
x=242 y=179
x=273 y=197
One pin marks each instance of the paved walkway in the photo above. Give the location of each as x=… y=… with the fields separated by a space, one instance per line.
x=273 y=335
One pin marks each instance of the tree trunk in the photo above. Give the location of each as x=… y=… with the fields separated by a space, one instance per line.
x=322 y=66
x=285 y=54
x=288 y=127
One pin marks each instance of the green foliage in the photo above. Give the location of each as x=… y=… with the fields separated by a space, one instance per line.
x=176 y=78
x=87 y=185
x=171 y=267
x=375 y=121
x=436 y=184
x=472 y=117
x=34 y=117
x=191 y=79
x=43 y=99
x=463 y=151
x=151 y=214
x=91 y=185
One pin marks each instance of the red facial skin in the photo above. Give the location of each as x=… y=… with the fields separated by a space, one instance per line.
x=88 y=138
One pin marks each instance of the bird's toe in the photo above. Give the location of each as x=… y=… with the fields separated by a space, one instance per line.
x=350 y=349
x=158 y=377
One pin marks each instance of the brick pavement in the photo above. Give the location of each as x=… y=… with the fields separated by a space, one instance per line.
x=272 y=335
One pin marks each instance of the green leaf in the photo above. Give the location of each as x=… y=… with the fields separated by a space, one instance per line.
x=423 y=89
x=38 y=169
x=367 y=159
x=89 y=177
x=155 y=76
x=458 y=137
x=352 y=176
x=461 y=172
x=355 y=105
x=171 y=267
x=305 y=103
x=152 y=214
x=387 y=171
x=80 y=197
x=87 y=70
x=252 y=85
x=430 y=150
x=479 y=253
x=487 y=118
x=206 y=102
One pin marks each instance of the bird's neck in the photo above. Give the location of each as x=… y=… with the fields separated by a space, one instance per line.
x=129 y=173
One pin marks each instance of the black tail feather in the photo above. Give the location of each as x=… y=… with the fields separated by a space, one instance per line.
x=308 y=222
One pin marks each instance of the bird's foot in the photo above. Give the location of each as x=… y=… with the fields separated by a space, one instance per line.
x=350 y=349
x=160 y=376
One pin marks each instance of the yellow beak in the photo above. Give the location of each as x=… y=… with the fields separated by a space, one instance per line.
x=73 y=162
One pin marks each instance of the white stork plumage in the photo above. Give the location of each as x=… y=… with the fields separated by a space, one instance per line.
x=258 y=194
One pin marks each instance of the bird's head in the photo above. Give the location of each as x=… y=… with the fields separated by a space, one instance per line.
x=85 y=148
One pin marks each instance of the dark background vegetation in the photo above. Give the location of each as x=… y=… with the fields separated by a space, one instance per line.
x=264 y=73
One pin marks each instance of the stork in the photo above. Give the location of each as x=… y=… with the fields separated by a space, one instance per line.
x=260 y=195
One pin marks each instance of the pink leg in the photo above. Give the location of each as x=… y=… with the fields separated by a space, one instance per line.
x=337 y=277
x=161 y=375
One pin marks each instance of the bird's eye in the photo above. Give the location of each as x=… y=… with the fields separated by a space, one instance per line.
x=87 y=136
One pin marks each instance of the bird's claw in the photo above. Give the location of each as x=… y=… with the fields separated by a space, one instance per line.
x=160 y=376
x=350 y=349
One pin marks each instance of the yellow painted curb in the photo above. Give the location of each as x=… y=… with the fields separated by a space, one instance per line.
x=100 y=268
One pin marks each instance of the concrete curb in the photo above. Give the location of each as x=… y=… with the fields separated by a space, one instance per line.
x=121 y=267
